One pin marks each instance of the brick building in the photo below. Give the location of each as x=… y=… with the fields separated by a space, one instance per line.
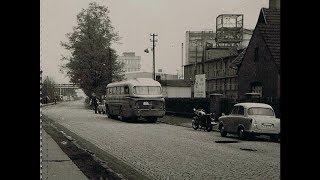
x=259 y=70
x=220 y=77
x=195 y=42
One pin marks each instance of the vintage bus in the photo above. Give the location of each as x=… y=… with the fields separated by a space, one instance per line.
x=135 y=99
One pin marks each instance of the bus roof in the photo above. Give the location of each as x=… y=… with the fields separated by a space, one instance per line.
x=136 y=82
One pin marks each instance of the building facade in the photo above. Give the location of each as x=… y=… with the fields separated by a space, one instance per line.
x=220 y=77
x=163 y=76
x=132 y=63
x=259 y=70
x=195 y=43
x=215 y=53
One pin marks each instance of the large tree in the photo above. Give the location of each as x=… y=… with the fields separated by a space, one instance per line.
x=48 y=90
x=92 y=63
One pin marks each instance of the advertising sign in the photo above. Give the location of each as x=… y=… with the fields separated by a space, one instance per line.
x=200 y=86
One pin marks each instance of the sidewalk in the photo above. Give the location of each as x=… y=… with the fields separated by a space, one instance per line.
x=48 y=104
x=55 y=163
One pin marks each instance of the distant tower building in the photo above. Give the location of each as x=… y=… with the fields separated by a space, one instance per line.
x=131 y=62
x=195 y=41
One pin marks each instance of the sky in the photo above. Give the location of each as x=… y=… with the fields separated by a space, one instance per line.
x=135 y=20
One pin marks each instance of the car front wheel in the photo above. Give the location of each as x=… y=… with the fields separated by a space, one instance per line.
x=241 y=133
x=222 y=132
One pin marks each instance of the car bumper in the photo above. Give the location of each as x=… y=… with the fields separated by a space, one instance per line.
x=263 y=132
x=255 y=129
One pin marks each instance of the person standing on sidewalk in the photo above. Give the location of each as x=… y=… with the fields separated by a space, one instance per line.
x=94 y=102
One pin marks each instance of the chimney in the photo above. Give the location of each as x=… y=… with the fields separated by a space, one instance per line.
x=274 y=4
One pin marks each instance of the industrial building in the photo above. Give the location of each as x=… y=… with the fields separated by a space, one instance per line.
x=196 y=42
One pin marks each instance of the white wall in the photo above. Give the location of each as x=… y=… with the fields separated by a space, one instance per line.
x=173 y=92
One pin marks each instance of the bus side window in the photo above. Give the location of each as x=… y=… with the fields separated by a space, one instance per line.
x=118 y=90
x=126 y=90
x=113 y=90
x=121 y=90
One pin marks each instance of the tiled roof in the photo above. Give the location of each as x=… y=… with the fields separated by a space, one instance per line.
x=237 y=61
x=270 y=32
x=271 y=16
x=271 y=35
x=269 y=27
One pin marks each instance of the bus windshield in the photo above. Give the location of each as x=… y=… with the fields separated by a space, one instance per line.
x=147 y=90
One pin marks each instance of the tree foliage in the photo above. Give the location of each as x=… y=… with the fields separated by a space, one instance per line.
x=92 y=63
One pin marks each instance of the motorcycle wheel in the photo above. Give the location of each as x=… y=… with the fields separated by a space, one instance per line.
x=195 y=125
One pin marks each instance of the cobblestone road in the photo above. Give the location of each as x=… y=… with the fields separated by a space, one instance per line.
x=170 y=152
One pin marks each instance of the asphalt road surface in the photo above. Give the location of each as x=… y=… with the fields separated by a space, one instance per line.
x=165 y=151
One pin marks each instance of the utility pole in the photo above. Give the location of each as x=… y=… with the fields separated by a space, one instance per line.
x=182 y=62
x=202 y=59
x=195 y=68
x=204 y=46
x=153 y=51
x=195 y=62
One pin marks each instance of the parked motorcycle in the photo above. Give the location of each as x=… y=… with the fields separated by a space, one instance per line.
x=202 y=120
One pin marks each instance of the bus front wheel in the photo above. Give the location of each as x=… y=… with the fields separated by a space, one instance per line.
x=121 y=117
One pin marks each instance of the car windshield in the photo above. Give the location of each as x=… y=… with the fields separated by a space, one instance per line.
x=260 y=111
x=147 y=90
